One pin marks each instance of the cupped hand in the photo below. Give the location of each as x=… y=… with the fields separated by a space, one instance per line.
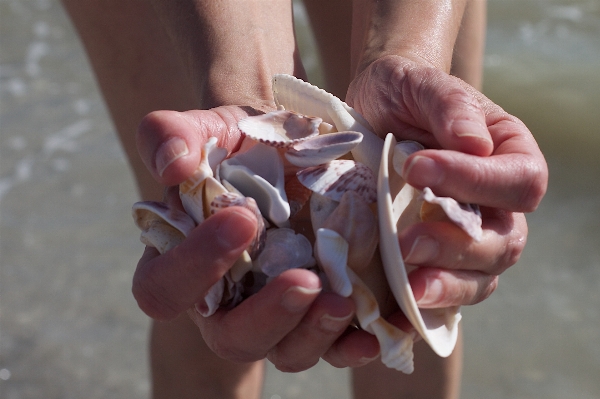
x=289 y=321
x=478 y=153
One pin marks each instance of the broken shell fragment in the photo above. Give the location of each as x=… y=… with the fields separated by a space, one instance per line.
x=162 y=227
x=334 y=178
x=322 y=149
x=280 y=128
x=466 y=216
x=258 y=173
x=331 y=251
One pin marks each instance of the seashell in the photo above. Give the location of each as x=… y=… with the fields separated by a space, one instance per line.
x=354 y=221
x=402 y=151
x=438 y=327
x=322 y=149
x=295 y=94
x=338 y=176
x=162 y=227
x=284 y=250
x=258 y=173
x=297 y=194
x=466 y=216
x=228 y=199
x=280 y=128
x=331 y=250
x=191 y=191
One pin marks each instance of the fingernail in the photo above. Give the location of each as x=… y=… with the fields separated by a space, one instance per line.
x=424 y=170
x=334 y=324
x=169 y=152
x=296 y=299
x=470 y=128
x=228 y=231
x=423 y=250
x=433 y=293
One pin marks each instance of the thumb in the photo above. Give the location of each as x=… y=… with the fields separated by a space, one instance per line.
x=166 y=285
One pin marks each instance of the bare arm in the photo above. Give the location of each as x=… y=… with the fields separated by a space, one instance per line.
x=423 y=31
x=232 y=48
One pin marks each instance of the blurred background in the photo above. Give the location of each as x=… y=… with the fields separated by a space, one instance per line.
x=69 y=327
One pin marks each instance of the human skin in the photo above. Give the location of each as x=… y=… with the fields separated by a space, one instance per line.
x=181 y=363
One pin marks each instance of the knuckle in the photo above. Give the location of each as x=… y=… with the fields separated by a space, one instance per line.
x=536 y=184
x=486 y=289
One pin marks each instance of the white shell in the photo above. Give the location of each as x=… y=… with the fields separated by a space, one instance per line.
x=466 y=216
x=334 y=178
x=191 y=191
x=322 y=149
x=280 y=128
x=162 y=227
x=331 y=251
x=258 y=173
x=297 y=95
x=403 y=150
x=438 y=327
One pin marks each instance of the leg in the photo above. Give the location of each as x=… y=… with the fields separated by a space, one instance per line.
x=138 y=71
x=434 y=377
x=467 y=61
x=331 y=22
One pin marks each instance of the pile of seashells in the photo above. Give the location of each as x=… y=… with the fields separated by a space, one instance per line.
x=331 y=166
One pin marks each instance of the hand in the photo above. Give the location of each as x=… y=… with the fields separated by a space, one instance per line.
x=289 y=321
x=480 y=154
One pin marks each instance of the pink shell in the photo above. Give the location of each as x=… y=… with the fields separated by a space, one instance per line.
x=333 y=179
x=280 y=128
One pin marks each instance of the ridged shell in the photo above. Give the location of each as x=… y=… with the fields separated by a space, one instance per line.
x=280 y=128
x=336 y=177
x=322 y=149
x=296 y=95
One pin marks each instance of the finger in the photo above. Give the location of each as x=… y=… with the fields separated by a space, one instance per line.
x=353 y=349
x=357 y=347
x=251 y=329
x=170 y=142
x=166 y=285
x=440 y=288
x=445 y=245
x=327 y=319
x=512 y=181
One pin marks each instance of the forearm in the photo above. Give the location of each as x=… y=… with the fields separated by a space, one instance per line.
x=232 y=48
x=422 y=30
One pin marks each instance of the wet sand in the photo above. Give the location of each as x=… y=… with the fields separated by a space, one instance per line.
x=69 y=327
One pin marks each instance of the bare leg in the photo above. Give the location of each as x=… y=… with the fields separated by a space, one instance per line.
x=467 y=60
x=332 y=25
x=434 y=377
x=139 y=71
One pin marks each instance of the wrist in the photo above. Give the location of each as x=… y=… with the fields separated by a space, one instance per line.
x=423 y=32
